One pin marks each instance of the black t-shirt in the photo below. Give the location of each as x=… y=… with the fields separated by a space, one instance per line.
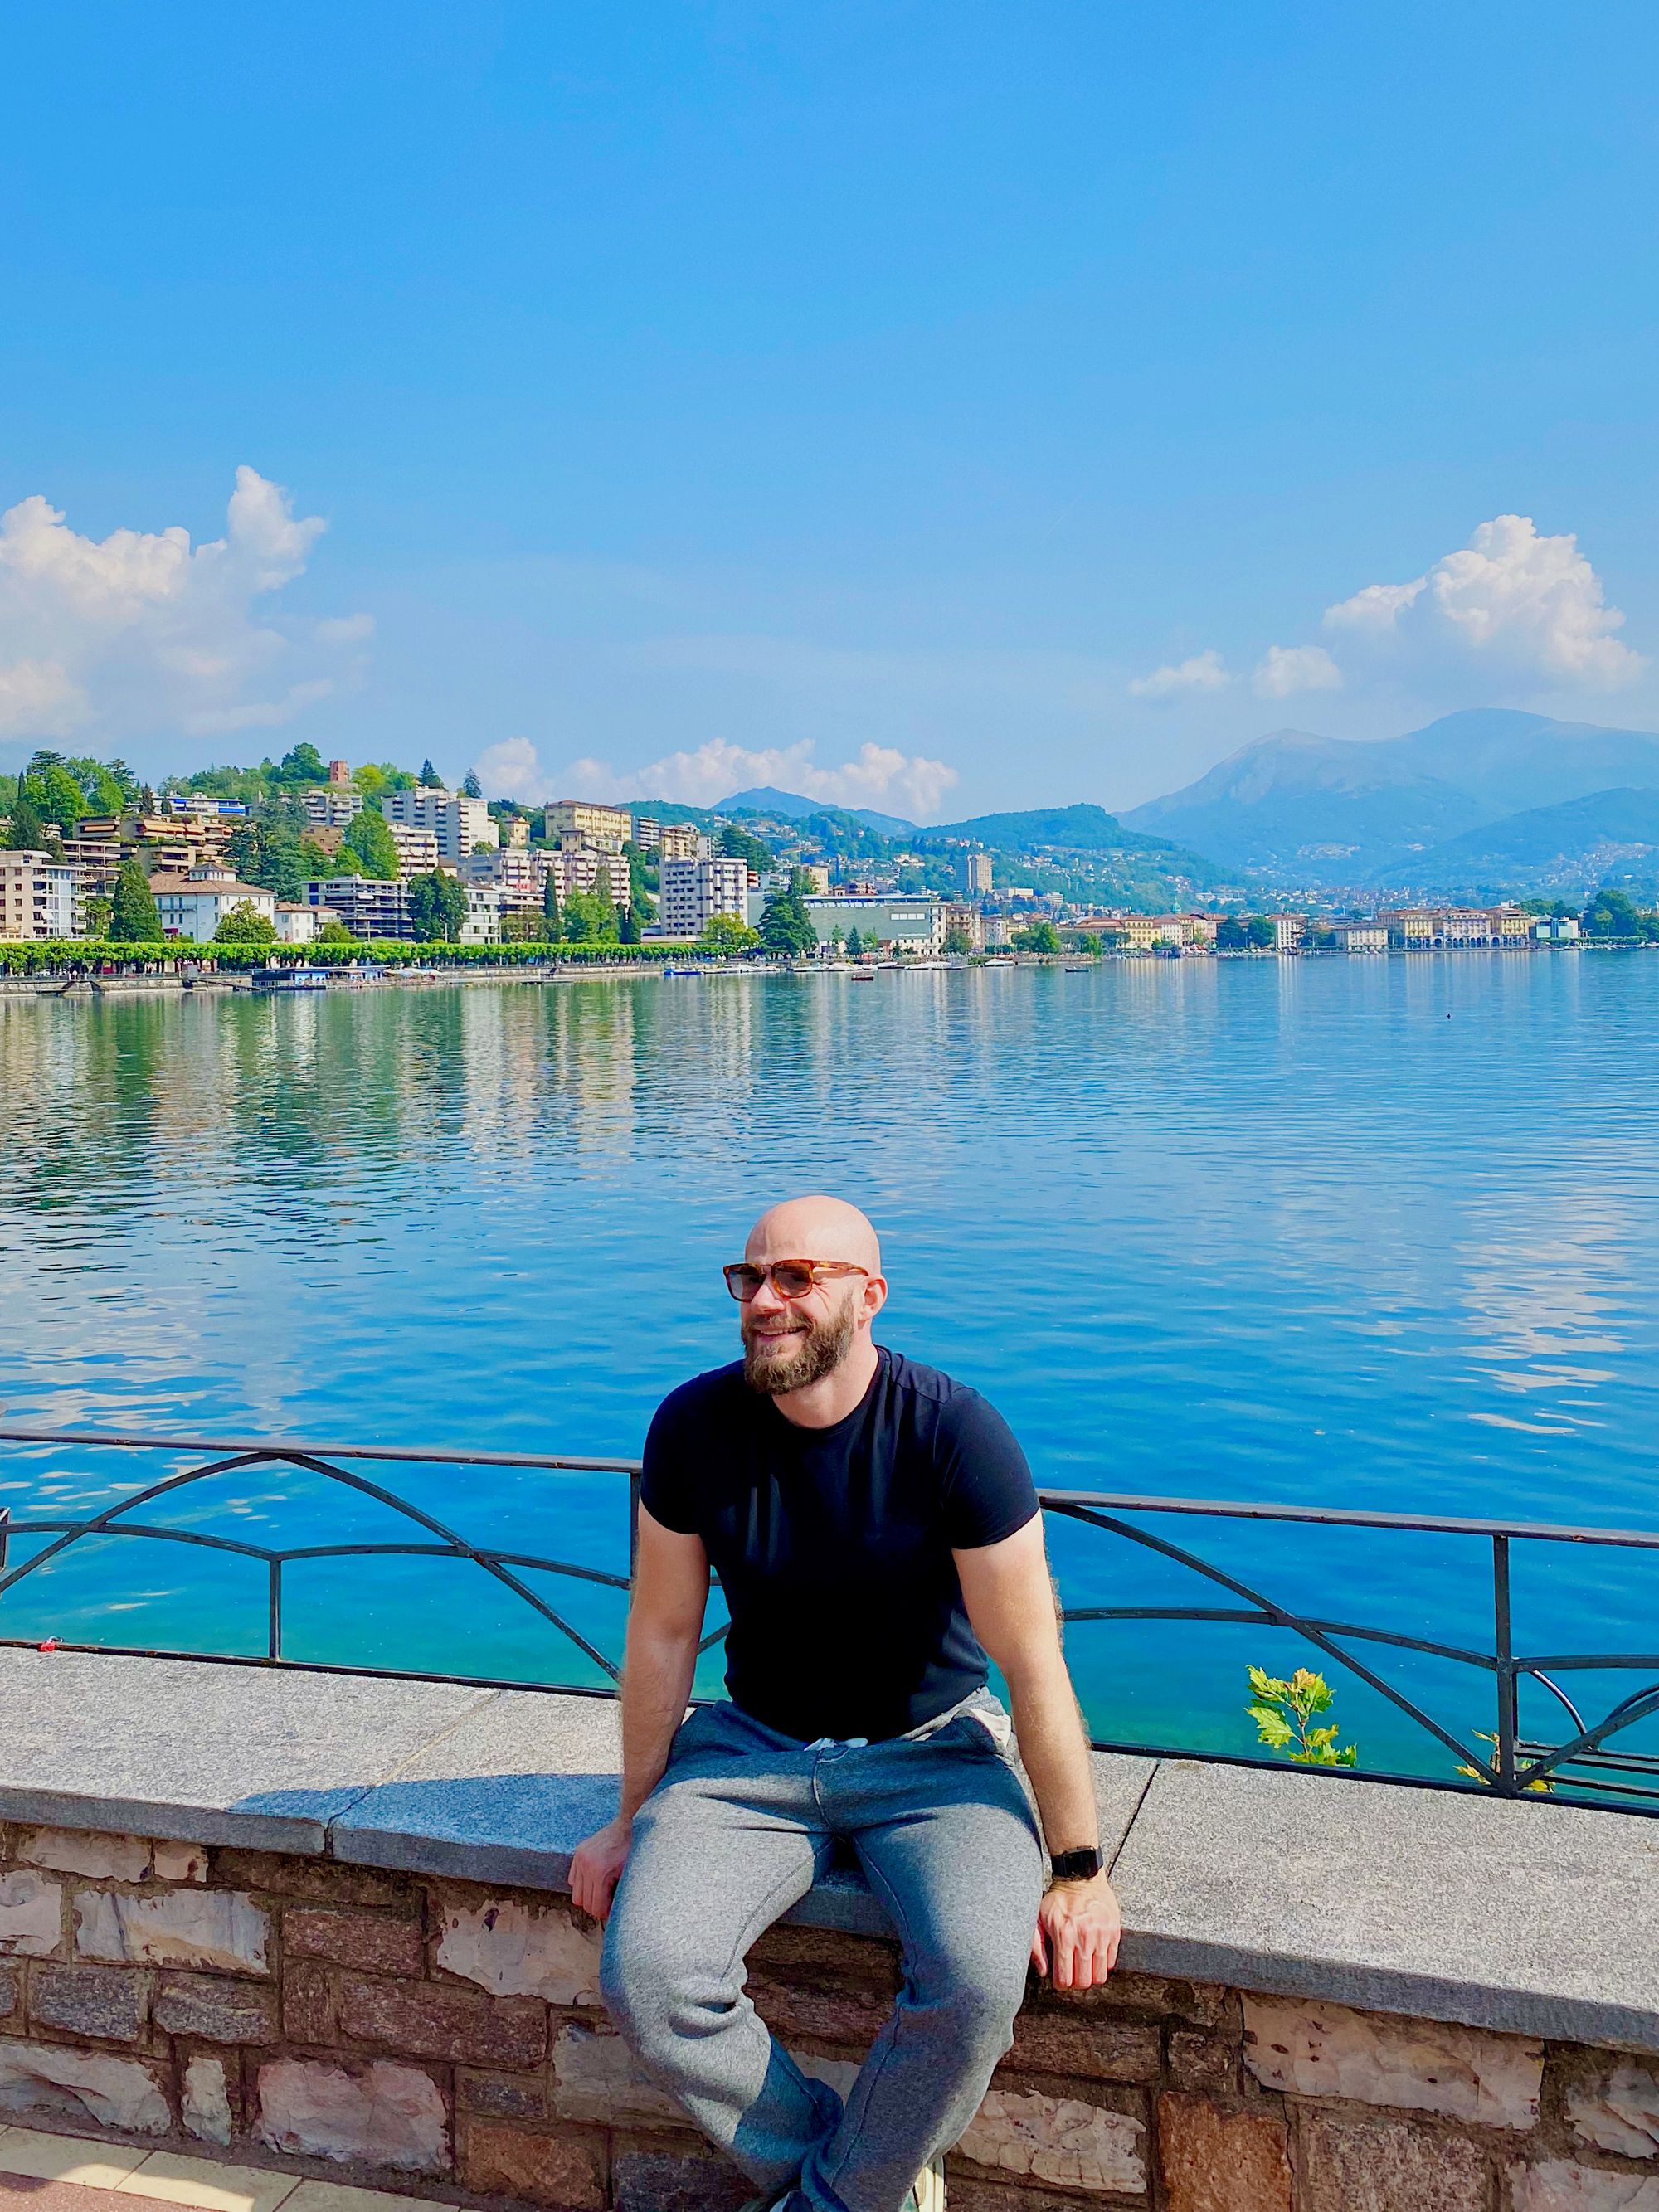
x=833 y=1546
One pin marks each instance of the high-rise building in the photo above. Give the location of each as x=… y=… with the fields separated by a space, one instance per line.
x=368 y=908
x=457 y=822
x=40 y=896
x=975 y=875
x=418 y=849
x=694 y=891
x=331 y=807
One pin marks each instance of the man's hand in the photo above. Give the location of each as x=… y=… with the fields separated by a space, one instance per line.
x=1077 y=1932
x=597 y=1867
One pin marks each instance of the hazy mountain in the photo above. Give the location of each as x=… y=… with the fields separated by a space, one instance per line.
x=1574 y=847
x=1314 y=809
x=790 y=806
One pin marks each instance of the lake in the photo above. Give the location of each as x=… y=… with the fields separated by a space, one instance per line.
x=1376 y=1233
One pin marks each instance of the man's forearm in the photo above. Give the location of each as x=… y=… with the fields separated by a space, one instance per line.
x=1055 y=1752
x=657 y=1674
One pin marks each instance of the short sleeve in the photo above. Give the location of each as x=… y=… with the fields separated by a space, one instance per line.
x=666 y=1490
x=987 y=1486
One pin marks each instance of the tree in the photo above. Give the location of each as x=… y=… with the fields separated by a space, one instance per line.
x=437 y=906
x=134 y=917
x=246 y=925
x=1611 y=914
x=1085 y=941
x=96 y=913
x=334 y=932
x=589 y=918
x=301 y=764
x=54 y=793
x=736 y=844
x=430 y=779
x=855 y=944
x=27 y=832
x=1243 y=932
x=368 y=840
x=1041 y=936
x=471 y=786
x=956 y=940
x=550 y=905
x=724 y=934
x=628 y=928
x=786 y=930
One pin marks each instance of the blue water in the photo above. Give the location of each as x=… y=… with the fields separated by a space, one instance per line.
x=1373 y=1233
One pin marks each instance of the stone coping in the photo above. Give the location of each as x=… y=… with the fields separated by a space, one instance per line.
x=1526 y=1917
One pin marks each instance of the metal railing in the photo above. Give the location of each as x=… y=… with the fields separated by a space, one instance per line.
x=1515 y=1766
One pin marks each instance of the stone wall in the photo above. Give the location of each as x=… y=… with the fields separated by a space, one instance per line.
x=444 y=2038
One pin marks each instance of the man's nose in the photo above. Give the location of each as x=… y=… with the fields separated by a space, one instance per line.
x=766 y=1299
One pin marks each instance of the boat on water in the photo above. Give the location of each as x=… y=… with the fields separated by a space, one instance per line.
x=863 y=975
x=289 y=979
x=669 y=973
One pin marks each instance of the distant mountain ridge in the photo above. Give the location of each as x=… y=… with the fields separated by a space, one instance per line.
x=1611 y=835
x=766 y=798
x=1295 y=807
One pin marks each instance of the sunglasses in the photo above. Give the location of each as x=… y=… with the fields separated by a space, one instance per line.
x=790 y=1279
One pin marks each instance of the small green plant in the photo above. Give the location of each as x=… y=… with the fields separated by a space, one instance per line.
x=1284 y=1713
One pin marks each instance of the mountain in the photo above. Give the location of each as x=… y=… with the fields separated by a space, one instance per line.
x=1069 y=828
x=1298 y=807
x=1575 y=847
x=790 y=806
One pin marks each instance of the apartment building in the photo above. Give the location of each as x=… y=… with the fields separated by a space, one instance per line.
x=298 y=924
x=1427 y=928
x=964 y=921
x=1289 y=930
x=1555 y=929
x=40 y=896
x=482 y=922
x=368 y=908
x=333 y=806
x=457 y=822
x=977 y=875
x=193 y=905
x=517 y=875
x=1360 y=936
x=694 y=891
x=582 y=869
x=670 y=841
x=605 y=828
x=199 y=806
x=418 y=849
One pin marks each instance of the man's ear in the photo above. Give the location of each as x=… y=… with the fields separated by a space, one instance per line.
x=875 y=1294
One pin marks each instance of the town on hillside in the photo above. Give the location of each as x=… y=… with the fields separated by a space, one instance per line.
x=304 y=852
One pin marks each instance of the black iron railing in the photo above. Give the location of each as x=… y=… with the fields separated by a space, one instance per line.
x=1513 y=1765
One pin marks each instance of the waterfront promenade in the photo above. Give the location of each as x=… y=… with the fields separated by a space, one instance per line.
x=314 y=1923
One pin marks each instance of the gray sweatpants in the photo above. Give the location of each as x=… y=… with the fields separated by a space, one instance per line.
x=736 y=1832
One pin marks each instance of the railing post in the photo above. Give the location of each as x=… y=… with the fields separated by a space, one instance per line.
x=633 y=1524
x=273 y=1641
x=1503 y=1651
x=5 y=1535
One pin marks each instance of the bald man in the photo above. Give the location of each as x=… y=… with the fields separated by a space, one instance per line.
x=877 y=1535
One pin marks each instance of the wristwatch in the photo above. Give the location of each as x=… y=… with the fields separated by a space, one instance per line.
x=1075 y=1866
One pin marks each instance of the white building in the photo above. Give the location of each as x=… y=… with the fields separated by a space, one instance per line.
x=482 y=922
x=909 y=924
x=458 y=822
x=302 y=925
x=1360 y=936
x=199 y=806
x=192 y=906
x=332 y=806
x=418 y=849
x=607 y=873
x=1555 y=929
x=40 y=896
x=694 y=891
x=519 y=875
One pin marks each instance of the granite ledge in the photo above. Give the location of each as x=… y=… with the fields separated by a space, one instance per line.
x=1527 y=1918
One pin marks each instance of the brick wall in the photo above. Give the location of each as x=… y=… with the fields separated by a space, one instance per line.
x=445 y=2039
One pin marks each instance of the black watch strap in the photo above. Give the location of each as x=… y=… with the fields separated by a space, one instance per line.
x=1075 y=1866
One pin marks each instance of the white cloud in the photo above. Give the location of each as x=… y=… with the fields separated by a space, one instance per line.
x=1204 y=672
x=1513 y=599
x=118 y=636
x=1283 y=669
x=880 y=777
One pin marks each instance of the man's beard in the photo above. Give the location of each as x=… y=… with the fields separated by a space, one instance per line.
x=816 y=1352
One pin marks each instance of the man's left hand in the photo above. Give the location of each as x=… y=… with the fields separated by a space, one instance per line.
x=1079 y=1929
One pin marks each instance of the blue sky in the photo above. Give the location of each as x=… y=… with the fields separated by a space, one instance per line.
x=938 y=406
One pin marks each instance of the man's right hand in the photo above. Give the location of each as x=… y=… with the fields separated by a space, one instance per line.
x=597 y=1867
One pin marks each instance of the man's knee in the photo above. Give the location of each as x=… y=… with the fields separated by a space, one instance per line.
x=976 y=1995
x=656 y=1996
